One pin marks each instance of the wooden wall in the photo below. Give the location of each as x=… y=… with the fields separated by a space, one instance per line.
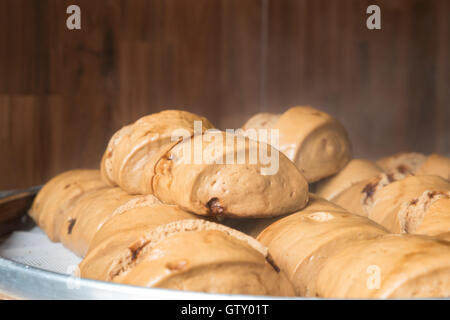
x=63 y=93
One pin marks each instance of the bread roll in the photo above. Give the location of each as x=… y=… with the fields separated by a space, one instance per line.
x=302 y=242
x=376 y=184
x=403 y=162
x=196 y=255
x=121 y=230
x=240 y=190
x=355 y=171
x=59 y=195
x=391 y=266
x=136 y=145
x=91 y=211
x=358 y=198
x=316 y=142
x=210 y=173
x=437 y=165
x=434 y=220
x=403 y=205
x=417 y=163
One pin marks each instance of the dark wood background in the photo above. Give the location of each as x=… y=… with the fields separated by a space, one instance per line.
x=63 y=93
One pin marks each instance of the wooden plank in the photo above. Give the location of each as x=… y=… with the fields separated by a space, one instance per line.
x=63 y=93
x=381 y=84
x=242 y=46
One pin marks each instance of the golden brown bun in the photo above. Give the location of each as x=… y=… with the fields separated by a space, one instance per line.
x=196 y=255
x=359 y=198
x=316 y=142
x=239 y=190
x=427 y=214
x=355 y=171
x=59 y=195
x=417 y=163
x=437 y=165
x=119 y=232
x=391 y=201
x=88 y=215
x=407 y=266
x=302 y=242
x=403 y=162
x=134 y=146
x=144 y=161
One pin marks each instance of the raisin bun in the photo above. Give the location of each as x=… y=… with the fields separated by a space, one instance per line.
x=355 y=171
x=302 y=242
x=59 y=195
x=391 y=266
x=402 y=206
x=315 y=141
x=197 y=255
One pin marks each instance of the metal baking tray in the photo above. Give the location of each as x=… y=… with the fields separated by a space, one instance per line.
x=21 y=281
x=28 y=281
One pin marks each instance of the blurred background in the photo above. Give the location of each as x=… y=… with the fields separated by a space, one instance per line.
x=63 y=93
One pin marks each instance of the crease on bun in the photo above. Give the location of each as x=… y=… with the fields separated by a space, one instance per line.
x=150 y=239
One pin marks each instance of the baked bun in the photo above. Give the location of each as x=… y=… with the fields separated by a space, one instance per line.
x=135 y=146
x=316 y=142
x=403 y=205
x=403 y=162
x=355 y=171
x=210 y=173
x=121 y=230
x=359 y=197
x=196 y=255
x=91 y=211
x=59 y=195
x=302 y=242
x=417 y=163
x=391 y=266
x=239 y=190
x=433 y=219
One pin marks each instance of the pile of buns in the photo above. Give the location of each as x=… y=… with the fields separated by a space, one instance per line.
x=155 y=215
